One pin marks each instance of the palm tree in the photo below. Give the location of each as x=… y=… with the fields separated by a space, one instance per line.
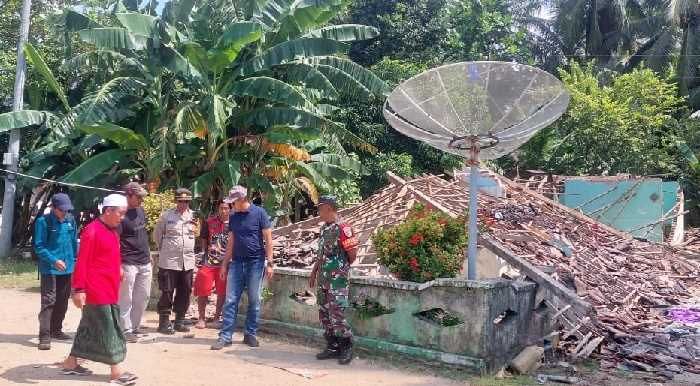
x=685 y=14
x=593 y=28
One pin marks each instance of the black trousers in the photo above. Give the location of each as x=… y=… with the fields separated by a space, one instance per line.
x=55 y=292
x=174 y=284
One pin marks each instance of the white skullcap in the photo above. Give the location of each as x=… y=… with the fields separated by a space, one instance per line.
x=114 y=200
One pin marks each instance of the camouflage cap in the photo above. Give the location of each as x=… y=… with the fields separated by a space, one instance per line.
x=236 y=193
x=328 y=200
x=182 y=194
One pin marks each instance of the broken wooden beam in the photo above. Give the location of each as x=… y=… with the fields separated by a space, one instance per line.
x=555 y=287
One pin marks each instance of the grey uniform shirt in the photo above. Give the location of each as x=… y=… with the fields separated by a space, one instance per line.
x=174 y=235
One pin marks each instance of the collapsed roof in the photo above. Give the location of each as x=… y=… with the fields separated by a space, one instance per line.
x=601 y=282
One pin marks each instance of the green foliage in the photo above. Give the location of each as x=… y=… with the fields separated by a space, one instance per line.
x=21 y=119
x=267 y=294
x=689 y=177
x=18 y=273
x=439 y=31
x=626 y=127
x=155 y=204
x=370 y=308
x=486 y=29
x=426 y=246
x=397 y=153
x=400 y=164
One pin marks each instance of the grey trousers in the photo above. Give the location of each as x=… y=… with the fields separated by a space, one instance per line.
x=134 y=293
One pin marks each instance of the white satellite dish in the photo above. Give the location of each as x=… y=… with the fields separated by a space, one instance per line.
x=477 y=110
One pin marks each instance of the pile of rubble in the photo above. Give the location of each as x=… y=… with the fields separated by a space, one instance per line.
x=691 y=243
x=630 y=284
x=608 y=292
x=298 y=249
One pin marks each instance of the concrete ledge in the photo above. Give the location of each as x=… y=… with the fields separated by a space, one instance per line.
x=475 y=365
x=413 y=286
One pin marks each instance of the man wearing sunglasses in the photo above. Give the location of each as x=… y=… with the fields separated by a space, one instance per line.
x=56 y=245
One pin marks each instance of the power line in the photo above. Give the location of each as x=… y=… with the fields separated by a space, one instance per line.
x=59 y=182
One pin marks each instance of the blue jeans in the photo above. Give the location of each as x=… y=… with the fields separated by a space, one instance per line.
x=242 y=274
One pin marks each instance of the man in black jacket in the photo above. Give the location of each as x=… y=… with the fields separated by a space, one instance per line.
x=135 y=288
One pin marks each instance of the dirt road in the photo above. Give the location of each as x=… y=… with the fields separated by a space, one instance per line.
x=175 y=360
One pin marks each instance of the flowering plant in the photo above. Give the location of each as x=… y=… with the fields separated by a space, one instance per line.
x=425 y=246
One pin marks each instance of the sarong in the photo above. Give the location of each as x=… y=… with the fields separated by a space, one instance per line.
x=99 y=337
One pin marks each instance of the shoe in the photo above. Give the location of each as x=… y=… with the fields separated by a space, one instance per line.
x=251 y=341
x=60 y=335
x=180 y=326
x=131 y=337
x=220 y=344
x=78 y=370
x=125 y=379
x=44 y=345
x=345 y=347
x=331 y=350
x=164 y=325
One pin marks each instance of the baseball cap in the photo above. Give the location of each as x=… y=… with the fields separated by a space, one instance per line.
x=116 y=200
x=328 y=200
x=183 y=194
x=62 y=202
x=136 y=189
x=236 y=193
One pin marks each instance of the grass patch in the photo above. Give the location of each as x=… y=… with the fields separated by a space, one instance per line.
x=16 y=273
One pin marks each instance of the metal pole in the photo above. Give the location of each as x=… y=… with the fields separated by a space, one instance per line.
x=11 y=158
x=473 y=209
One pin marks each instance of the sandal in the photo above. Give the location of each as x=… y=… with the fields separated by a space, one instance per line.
x=125 y=379
x=200 y=324
x=78 y=370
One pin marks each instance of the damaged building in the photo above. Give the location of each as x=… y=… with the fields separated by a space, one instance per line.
x=600 y=291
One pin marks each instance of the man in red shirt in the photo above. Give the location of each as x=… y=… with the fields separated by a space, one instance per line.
x=96 y=291
x=214 y=235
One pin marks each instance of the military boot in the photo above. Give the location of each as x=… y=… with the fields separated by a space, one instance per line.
x=345 y=351
x=331 y=351
x=164 y=325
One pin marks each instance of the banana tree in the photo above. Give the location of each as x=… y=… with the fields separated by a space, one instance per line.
x=276 y=68
x=64 y=146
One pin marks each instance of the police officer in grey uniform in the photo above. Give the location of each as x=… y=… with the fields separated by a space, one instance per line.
x=175 y=235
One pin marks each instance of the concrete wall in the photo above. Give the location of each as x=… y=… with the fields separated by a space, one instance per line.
x=477 y=343
x=476 y=303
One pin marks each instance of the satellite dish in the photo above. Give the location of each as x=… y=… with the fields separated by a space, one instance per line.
x=477 y=110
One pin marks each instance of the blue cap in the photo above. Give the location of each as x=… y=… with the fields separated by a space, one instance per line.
x=61 y=201
x=328 y=200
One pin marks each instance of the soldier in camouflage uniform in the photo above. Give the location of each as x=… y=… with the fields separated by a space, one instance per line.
x=337 y=251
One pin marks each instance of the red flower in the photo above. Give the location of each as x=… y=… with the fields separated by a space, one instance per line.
x=416 y=239
x=413 y=263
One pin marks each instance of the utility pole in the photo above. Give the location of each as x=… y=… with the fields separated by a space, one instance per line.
x=11 y=158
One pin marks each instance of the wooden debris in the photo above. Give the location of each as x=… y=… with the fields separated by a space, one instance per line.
x=617 y=287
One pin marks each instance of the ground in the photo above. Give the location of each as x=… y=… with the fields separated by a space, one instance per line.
x=185 y=359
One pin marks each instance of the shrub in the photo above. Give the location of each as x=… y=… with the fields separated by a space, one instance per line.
x=155 y=204
x=426 y=246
